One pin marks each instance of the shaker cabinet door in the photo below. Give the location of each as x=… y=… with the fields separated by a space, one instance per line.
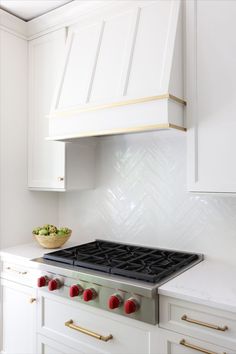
x=46 y=160
x=18 y=318
x=211 y=95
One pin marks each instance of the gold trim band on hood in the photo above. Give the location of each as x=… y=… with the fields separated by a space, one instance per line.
x=119 y=131
x=118 y=104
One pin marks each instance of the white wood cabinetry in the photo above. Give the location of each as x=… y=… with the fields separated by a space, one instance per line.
x=174 y=343
x=46 y=164
x=200 y=327
x=123 y=62
x=211 y=95
x=18 y=324
x=48 y=346
x=37 y=321
x=52 y=165
x=18 y=306
x=128 y=336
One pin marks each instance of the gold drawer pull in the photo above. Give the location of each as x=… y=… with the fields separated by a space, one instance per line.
x=71 y=325
x=16 y=271
x=32 y=300
x=196 y=347
x=200 y=323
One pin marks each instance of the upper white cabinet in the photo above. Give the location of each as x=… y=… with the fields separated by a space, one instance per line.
x=211 y=95
x=46 y=160
x=52 y=165
x=123 y=71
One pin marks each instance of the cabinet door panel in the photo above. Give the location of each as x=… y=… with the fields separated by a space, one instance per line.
x=150 y=57
x=113 y=55
x=84 y=44
x=19 y=318
x=46 y=164
x=212 y=95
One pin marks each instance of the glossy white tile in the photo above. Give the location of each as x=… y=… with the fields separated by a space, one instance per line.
x=141 y=197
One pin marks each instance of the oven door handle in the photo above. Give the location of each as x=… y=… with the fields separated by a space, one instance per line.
x=71 y=325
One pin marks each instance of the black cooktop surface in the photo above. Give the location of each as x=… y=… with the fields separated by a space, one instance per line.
x=142 y=263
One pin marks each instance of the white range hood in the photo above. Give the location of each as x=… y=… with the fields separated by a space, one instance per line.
x=123 y=72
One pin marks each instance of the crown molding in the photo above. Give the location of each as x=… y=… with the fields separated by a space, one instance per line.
x=63 y=16
x=13 y=24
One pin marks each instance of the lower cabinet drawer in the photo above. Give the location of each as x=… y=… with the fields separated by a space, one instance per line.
x=199 y=321
x=174 y=343
x=18 y=273
x=90 y=330
x=48 y=346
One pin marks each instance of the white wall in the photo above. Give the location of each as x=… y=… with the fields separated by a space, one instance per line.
x=141 y=197
x=20 y=209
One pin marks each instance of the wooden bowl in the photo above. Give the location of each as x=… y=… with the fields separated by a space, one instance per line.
x=52 y=241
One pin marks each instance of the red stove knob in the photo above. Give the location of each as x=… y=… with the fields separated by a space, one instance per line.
x=131 y=306
x=76 y=290
x=89 y=294
x=42 y=281
x=54 y=284
x=114 y=302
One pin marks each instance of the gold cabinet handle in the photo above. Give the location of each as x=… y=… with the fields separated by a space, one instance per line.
x=196 y=347
x=32 y=300
x=204 y=324
x=71 y=325
x=16 y=271
x=60 y=179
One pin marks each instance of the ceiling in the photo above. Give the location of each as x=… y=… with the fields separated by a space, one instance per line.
x=29 y=9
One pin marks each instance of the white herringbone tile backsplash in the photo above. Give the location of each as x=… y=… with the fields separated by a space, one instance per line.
x=140 y=197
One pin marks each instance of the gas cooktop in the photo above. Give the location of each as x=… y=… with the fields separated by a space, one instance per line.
x=135 y=262
x=116 y=277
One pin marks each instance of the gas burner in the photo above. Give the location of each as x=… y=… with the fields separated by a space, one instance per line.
x=135 y=262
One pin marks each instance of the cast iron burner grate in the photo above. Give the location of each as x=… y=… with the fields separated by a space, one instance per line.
x=142 y=263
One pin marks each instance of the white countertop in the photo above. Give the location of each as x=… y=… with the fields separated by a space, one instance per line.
x=30 y=250
x=208 y=283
